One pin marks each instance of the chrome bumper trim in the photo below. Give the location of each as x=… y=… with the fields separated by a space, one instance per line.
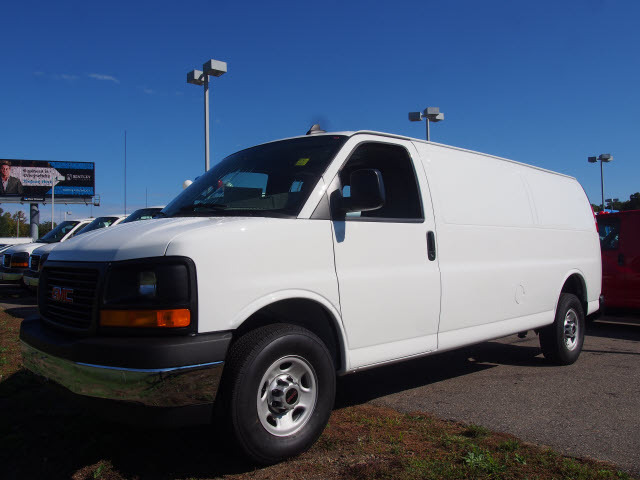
x=11 y=277
x=163 y=387
x=30 y=281
x=150 y=370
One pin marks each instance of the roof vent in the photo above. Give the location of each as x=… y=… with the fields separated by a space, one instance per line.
x=315 y=130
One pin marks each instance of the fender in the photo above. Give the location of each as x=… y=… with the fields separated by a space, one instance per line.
x=278 y=296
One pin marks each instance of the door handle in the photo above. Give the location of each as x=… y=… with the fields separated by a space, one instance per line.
x=620 y=259
x=431 y=246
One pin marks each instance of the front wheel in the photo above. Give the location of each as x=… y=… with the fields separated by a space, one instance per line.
x=278 y=391
x=562 y=341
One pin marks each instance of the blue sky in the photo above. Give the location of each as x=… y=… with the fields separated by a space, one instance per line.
x=547 y=83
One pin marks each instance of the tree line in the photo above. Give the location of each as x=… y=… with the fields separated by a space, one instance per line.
x=18 y=225
x=632 y=204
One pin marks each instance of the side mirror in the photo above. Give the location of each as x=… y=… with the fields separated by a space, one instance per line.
x=367 y=191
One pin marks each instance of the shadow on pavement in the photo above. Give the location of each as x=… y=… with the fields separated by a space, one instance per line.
x=46 y=434
x=22 y=312
x=613 y=329
x=364 y=386
x=16 y=295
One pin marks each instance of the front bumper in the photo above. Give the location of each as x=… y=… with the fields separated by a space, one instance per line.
x=11 y=274
x=31 y=278
x=151 y=371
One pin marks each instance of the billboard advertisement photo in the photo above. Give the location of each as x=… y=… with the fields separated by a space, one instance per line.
x=32 y=180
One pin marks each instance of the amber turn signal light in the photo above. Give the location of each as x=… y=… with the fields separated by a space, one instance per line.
x=19 y=265
x=180 y=317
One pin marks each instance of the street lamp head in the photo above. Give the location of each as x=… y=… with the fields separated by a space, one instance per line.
x=606 y=157
x=429 y=111
x=592 y=159
x=436 y=118
x=195 y=77
x=215 y=68
x=415 y=116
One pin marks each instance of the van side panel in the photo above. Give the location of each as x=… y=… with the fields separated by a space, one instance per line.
x=559 y=201
x=503 y=254
x=565 y=217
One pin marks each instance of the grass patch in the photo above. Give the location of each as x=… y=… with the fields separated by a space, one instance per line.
x=476 y=431
x=509 y=445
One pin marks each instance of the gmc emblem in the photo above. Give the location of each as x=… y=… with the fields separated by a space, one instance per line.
x=62 y=294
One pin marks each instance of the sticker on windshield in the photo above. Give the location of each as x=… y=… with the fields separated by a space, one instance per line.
x=302 y=162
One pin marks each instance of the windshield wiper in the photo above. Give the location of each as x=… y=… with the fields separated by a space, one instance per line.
x=207 y=206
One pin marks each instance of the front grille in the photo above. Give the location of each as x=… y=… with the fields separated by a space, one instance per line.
x=34 y=262
x=75 y=293
x=6 y=260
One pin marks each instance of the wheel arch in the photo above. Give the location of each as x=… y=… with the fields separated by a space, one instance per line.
x=575 y=284
x=301 y=308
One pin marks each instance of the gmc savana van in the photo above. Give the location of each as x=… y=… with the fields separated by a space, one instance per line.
x=296 y=260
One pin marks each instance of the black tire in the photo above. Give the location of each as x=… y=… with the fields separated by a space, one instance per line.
x=258 y=355
x=560 y=343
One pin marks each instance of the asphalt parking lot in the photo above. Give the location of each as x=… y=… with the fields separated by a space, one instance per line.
x=591 y=408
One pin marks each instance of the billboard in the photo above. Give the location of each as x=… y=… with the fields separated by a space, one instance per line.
x=32 y=180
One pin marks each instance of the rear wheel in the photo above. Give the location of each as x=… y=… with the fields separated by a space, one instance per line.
x=278 y=391
x=562 y=341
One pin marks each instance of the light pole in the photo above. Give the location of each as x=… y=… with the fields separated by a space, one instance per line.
x=54 y=179
x=602 y=158
x=214 y=68
x=431 y=114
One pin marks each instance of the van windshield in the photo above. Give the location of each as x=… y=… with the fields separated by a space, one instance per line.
x=274 y=179
x=100 y=222
x=59 y=232
x=142 y=214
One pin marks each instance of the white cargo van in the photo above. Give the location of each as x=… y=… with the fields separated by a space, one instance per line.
x=293 y=261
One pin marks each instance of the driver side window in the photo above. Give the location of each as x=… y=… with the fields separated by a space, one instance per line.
x=402 y=197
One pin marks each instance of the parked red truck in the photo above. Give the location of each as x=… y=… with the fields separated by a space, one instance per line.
x=620 y=245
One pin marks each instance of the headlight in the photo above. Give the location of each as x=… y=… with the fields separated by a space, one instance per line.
x=147 y=284
x=151 y=293
x=20 y=260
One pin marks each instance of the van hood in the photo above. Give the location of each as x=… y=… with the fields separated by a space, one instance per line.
x=24 y=247
x=46 y=248
x=142 y=239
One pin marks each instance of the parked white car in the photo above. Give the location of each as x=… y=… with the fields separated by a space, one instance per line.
x=296 y=260
x=31 y=276
x=15 y=260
